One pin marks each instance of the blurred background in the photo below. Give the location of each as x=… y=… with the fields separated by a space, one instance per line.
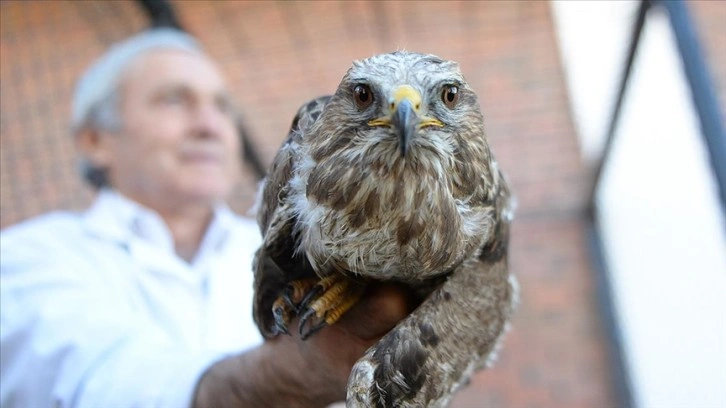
x=618 y=240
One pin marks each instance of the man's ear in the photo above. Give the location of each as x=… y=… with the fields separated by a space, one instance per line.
x=93 y=145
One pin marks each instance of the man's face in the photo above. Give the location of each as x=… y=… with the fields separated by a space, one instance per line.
x=178 y=142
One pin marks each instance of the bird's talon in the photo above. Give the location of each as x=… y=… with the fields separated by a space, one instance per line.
x=306 y=330
x=281 y=329
x=287 y=296
x=313 y=294
x=282 y=319
x=304 y=334
x=317 y=303
x=295 y=293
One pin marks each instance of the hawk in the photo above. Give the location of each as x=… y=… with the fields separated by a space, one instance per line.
x=391 y=179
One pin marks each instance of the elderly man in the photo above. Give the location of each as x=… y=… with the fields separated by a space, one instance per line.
x=145 y=298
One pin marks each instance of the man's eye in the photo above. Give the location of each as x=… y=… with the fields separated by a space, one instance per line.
x=224 y=105
x=172 y=98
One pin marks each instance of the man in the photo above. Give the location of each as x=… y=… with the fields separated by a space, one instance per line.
x=145 y=299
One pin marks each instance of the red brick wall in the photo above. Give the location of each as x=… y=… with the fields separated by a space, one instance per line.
x=276 y=56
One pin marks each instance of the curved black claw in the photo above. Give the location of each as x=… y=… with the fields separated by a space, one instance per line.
x=281 y=320
x=313 y=294
x=287 y=296
x=306 y=330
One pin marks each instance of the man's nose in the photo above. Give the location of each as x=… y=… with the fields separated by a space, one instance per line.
x=209 y=120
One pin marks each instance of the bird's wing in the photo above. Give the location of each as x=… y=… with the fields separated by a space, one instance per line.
x=459 y=326
x=276 y=185
x=277 y=262
x=496 y=246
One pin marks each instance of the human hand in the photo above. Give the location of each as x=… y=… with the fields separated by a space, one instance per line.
x=287 y=371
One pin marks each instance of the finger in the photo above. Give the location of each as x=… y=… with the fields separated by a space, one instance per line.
x=378 y=311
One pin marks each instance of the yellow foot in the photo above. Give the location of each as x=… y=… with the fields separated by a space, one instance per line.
x=326 y=302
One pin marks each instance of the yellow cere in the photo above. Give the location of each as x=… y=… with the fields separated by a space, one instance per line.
x=412 y=95
x=406 y=92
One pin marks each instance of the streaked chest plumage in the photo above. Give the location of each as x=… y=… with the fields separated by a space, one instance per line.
x=383 y=216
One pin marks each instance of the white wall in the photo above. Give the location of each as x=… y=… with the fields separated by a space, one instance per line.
x=661 y=220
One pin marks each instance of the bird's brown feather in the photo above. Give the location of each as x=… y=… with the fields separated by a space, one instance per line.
x=277 y=261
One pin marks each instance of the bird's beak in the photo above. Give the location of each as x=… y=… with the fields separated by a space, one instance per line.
x=405 y=106
x=404 y=121
x=404 y=116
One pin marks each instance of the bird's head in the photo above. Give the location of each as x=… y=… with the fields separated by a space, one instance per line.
x=401 y=127
x=401 y=103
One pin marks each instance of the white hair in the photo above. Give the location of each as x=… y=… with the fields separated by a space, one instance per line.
x=95 y=99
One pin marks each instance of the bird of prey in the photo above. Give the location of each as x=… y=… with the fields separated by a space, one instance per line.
x=391 y=179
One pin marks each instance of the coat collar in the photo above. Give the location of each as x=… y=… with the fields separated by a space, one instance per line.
x=115 y=217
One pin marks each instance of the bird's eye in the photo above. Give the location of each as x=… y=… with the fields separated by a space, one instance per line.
x=450 y=96
x=363 y=96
